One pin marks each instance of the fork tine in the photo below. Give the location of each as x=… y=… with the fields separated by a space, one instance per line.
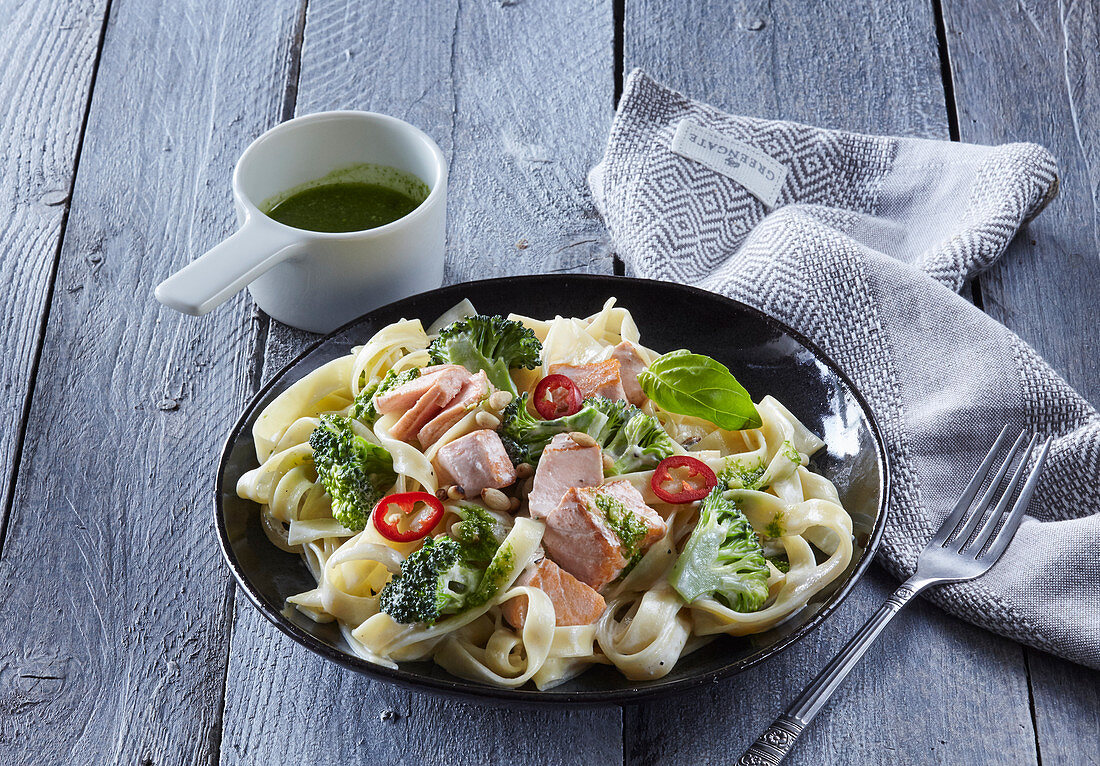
x=967 y=529
x=1008 y=530
x=971 y=490
x=990 y=525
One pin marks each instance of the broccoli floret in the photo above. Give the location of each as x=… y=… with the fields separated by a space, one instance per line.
x=525 y=436
x=433 y=581
x=617 y=412
x=490 y=343
x=781 y=563
x=634 y=440
x=352 y=470
x=448 y=575
x=363 y=408
x=640 y=443
x=722 y=558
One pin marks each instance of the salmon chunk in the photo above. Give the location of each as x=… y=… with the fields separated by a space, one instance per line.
x=630 y=364
x=475 y=387
x=563 y=464
x=406 y=395
x=446 y=385
x=595 y=531
x=574 y=602
x=474 y=462
x=595 y=379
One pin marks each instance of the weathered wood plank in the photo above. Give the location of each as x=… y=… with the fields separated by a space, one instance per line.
x=494 y=84
x=47 y=56
x=931 y=681
x=116 y=597
x=1036 y=80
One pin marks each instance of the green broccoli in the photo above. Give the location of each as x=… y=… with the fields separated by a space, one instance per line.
x=638 y=444
x=525 y=436
x=617 y=412
x=363 y=408
x=782 y=563
x=448 y=575
x=490 y=343
x=634 y=440
x=433 y=581
x=352 y=470
x=722 y=558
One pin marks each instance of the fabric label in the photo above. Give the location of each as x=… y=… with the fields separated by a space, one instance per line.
x=760 y=174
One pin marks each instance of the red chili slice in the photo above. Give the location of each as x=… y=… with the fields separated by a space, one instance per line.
x=423 y=523
x=693 y=482
x=557 y=396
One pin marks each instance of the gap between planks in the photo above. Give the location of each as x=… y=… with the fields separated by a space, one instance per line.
x=51 y=282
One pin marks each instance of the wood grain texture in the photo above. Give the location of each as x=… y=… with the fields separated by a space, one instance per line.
x=116 y=597
x=47 y=56
x=931 y=683
x=495 y=85
x=927 y=692
x=1037 y=80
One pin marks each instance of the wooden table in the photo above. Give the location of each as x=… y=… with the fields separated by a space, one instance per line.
x=125 y=640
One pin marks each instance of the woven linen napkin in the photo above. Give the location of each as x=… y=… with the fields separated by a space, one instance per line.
x=865 y=248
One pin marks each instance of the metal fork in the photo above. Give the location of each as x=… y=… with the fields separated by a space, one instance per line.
x=965 y=547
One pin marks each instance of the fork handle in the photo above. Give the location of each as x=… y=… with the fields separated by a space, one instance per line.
x=773 y=745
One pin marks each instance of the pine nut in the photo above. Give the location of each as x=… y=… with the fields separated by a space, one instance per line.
x=494 y=499
x=498 y=400
x=524 y=471
x=441 y=493
x=608 y=464
x=454 y=492
x=513 y=504
x=486 y=419
x=581 y=439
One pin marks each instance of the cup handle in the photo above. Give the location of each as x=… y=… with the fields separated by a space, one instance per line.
x=225 y=269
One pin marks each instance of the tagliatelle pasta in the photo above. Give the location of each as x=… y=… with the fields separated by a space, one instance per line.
x=795 y=514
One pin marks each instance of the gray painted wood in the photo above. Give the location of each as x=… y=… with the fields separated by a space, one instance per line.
x=1037 y=81
x=475 y=77
x=47 y=55
x=931 y=683
x=114 y=587
x=927 y=692
x=116 y=598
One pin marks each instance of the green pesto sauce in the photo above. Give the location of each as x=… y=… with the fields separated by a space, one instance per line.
x=791 y=453
x=775 y=527
x=739 y=476
x=627 y=527
x=355 y=198
x=495 y=574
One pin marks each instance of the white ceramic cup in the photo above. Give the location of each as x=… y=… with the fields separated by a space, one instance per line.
x=315 y=280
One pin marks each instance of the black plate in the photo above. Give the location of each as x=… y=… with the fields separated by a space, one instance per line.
x=765 y=355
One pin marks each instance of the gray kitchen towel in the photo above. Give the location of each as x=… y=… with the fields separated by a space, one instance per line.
x=865 y=250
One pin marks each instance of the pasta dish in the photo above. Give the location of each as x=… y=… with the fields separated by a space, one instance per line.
x=518 y=499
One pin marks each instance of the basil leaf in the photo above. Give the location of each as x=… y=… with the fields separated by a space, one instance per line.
x=696 y=385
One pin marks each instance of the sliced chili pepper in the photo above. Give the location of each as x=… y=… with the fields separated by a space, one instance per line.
x=557 y=396
x=422 y=523
x=693 y=481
